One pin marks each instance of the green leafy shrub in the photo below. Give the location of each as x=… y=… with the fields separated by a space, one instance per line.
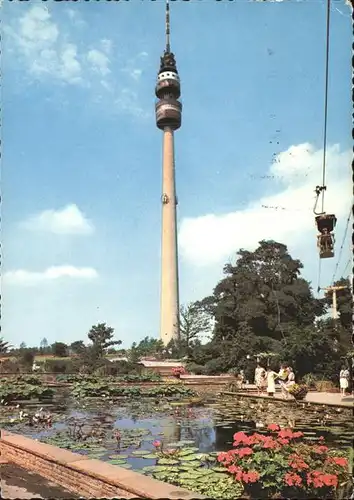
x=310 y=380
x=324 y=385
x=215 y=366
x=282 y=464
x=195 y=369
x=59 y=365
x=10 y=366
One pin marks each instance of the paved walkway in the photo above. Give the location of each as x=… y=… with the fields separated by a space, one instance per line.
x=329 y=398
x=20 y=483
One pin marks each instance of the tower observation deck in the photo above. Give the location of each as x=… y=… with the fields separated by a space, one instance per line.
x=168 y=110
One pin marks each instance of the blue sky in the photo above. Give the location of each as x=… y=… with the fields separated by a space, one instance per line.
x=82 y=155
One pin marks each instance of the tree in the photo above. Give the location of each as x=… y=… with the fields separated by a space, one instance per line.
x=101 y=337
x=313 y=349
x=194 y=321
x=59 y=349
x=134 y=353
x=26 y=358
x=4 y=346
x=149 y=346
x=77 y=347
x=44 y=346
x=265 y=291
x=23 y=345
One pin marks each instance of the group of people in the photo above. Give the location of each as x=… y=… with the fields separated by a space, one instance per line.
x=265 y=380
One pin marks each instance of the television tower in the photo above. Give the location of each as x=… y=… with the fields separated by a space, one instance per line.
x=168 y=119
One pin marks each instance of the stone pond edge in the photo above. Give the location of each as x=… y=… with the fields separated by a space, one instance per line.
x=86 y=477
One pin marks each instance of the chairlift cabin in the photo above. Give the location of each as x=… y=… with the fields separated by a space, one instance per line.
x=325 y=240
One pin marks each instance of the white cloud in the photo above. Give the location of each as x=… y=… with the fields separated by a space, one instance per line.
x=106 y=45
x=134 y=66
x=210 y=239
x=68 y=220
x=75 y=17
x=23 y=277
x=99 y=62
x=49 y=51
x=44 y=50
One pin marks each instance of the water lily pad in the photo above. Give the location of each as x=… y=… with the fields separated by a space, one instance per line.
x=117 y=462
x=125 y=466
x=188 y=451
x=188 y=458
x=150 y=456
x=168 y=461
x=164 y=468
x=96 y=456
x=149 y=468
x=139 y=452
x=219 y=469
x=118 y=456
x=190 y=465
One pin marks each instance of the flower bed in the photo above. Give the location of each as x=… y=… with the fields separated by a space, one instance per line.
x=178 y=371
x=280 y=464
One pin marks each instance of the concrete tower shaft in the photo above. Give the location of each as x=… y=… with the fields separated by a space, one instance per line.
x=169 y=312
x=168 y=118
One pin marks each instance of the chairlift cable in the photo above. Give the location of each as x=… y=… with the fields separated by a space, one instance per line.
x=344 y=270
x=326 y=101
x=342 y=245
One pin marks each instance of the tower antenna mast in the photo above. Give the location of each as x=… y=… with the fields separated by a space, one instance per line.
x=168 y=46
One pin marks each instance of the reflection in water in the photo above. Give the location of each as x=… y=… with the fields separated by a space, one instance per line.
x=209 y=427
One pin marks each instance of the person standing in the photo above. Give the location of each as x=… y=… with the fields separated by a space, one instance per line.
x=283 y=377
x=242 y=379
x=271 y=375
x=290 y=381
x=343 y=380
x=260 y=378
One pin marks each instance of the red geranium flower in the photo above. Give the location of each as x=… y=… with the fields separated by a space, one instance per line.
x=233 y=469
x=320 y=449
x=283 y=441
x=330 y=480
x=241 y=437
x=298 y=463
x=243 y=452
x=239 y=475
x=341 y=461
x=269 y=444
x=273 y=427
x=222 y=456
x=250 y=476
x=292 y=479
x=285 y=433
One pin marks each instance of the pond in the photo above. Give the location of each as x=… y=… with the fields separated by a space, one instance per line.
x=125 y=433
